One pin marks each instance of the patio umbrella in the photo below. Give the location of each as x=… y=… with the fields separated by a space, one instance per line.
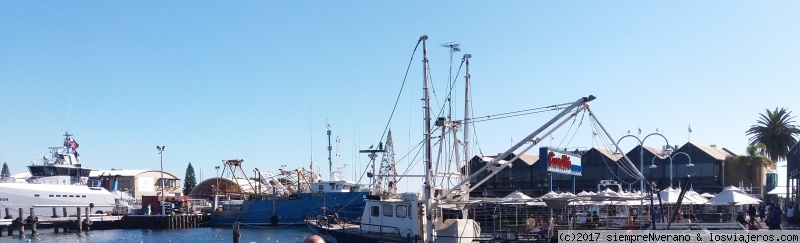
x=733 y=197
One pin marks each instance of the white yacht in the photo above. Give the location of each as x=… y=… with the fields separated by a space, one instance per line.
x=58 y=181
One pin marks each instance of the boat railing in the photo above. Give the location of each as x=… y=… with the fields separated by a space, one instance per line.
x=395 y=229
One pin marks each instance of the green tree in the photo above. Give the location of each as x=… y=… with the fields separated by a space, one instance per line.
x=754 y=161
x=189 y=182
x=776 y=131
x=5 y=172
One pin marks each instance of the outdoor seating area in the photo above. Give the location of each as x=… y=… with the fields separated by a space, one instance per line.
x=518 y=216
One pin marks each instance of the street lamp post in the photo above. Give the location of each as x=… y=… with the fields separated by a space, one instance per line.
x=641 y=168
x=653 y=165
x=161 y=153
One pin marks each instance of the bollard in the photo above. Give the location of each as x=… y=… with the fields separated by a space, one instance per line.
x=8 y=214
x=80 y=225
x=65 y=211
x=55 y=215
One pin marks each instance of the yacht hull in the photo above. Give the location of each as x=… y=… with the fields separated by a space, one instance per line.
x=44 y=197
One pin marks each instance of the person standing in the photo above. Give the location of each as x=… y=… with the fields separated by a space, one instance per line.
x=790 y=214
x=751 y=211
x=761 y=212
x=774 y=218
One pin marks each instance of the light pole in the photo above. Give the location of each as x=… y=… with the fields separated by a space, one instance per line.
x=653 y=165
x=666 y=150
x=161 y=153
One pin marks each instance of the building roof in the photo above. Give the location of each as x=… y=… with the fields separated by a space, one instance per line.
x=528 y=159
x=656 y=151
x=713 y=151
x=206 y=188
x=123 y=172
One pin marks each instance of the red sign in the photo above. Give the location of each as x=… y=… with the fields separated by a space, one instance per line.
x=563 y=162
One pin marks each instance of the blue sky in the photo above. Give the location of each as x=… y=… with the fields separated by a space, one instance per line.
x=257 y=80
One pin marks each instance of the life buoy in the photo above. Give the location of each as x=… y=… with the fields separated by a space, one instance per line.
x=83 y=181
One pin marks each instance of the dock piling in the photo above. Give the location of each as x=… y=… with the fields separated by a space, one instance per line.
x=80 y=225
x=236 y=234
x=21 y=222
x=8 y=214
x=33 y=220
x=55 y=215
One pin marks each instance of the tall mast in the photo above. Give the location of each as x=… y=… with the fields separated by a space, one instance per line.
x=463 y=176
x=427 y=135
x=330 y=148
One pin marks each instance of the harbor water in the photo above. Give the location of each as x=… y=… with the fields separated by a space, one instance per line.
x=195 y=235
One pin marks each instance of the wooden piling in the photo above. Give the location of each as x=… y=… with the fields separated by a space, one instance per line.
x=33 y=221
x=55 y=215
x=236 y=234
x=65 y=211
x=80 y=225
x=87 y=222
x=55 y=228
x=22 y=223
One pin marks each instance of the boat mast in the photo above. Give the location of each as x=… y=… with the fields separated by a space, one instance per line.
x=467 y=157
x=330 y=161
x=428 y=167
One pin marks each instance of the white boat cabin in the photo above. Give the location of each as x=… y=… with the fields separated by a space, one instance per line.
x=399 y=216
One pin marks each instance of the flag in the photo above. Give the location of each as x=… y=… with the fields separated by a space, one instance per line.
x=74 y=144
x=640 y=130
x=690 y=127
x=594 y=134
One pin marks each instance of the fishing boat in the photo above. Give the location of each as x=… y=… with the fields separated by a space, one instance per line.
x=407 y=217
x=58 y=181
x=286 y=197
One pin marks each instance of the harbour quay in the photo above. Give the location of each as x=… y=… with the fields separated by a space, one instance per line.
x=60 y=221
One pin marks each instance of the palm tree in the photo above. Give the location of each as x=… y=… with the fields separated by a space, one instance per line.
x=754 y=162
x=776 y=131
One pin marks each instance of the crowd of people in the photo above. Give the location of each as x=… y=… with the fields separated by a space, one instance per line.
x=769 y=214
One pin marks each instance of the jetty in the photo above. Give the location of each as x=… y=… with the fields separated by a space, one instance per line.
x=82 y=221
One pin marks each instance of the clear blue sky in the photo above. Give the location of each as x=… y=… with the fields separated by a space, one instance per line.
x=216 y=80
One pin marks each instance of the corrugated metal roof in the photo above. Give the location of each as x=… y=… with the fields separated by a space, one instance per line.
x=657 y=151
x=609 y=154
x=717 y=153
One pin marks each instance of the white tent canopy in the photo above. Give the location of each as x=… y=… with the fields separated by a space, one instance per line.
x=780 y=191
x=733 y=196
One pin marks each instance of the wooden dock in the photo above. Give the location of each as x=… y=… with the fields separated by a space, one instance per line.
x=85 y=222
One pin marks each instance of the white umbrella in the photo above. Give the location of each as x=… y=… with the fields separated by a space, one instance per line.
x=550 y=195
x=668 y=196
x=733 y=197
x=706 y=195
x=694 y=197
x=517 y=196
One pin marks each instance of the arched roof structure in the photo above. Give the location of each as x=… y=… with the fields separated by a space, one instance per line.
x=227 y=186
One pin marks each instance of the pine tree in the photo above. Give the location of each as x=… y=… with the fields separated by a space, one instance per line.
x=5 y=172
x=189 y=182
